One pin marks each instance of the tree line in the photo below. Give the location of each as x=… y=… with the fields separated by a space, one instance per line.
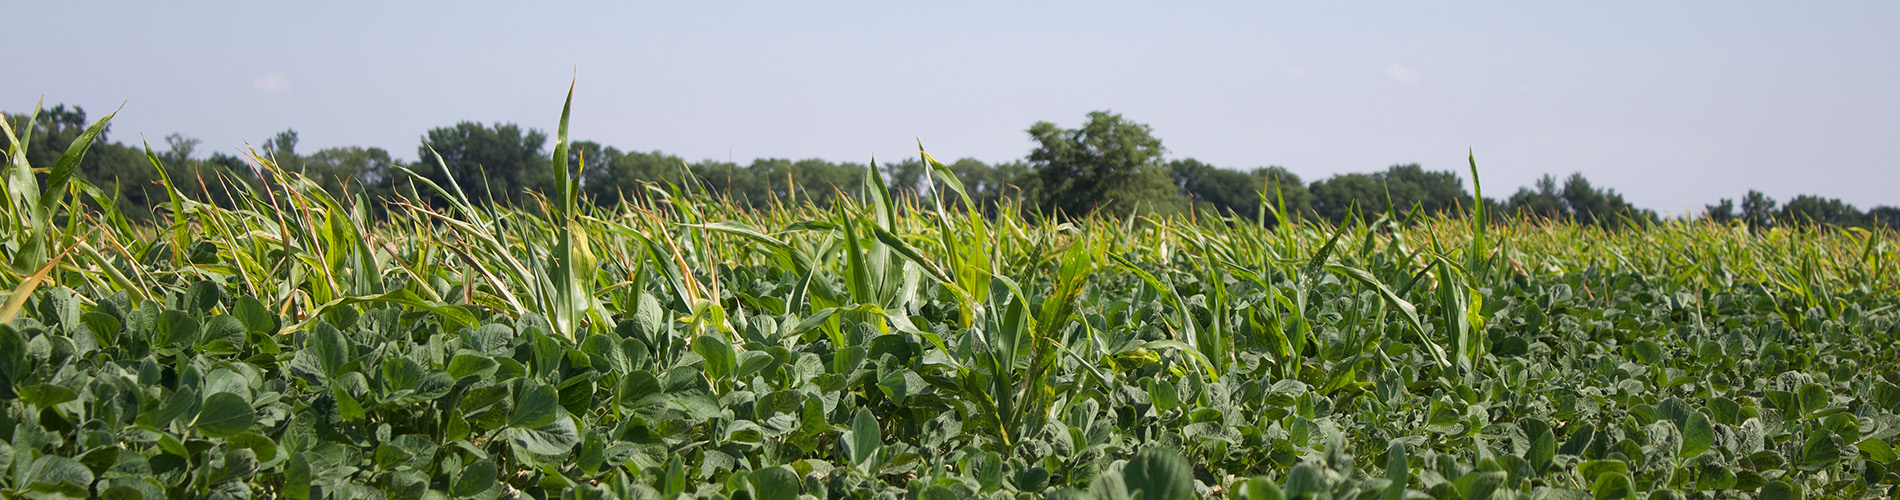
x=1108 y=166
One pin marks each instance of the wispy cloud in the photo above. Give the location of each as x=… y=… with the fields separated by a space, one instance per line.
x=274 y=83
x=1402 y=74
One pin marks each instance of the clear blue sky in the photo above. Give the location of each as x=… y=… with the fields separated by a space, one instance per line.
x=1675 y=104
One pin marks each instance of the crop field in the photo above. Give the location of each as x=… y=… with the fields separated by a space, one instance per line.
x=894 y=347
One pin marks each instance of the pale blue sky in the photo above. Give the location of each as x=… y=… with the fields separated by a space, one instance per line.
x=1675 y=104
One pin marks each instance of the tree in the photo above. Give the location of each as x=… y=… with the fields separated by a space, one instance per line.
x=729 y=180
x=1601 y=207
x=500 y=163
x=282 y=149
x=904 y=177
x=616 y=175
x=1214 y=190
x=1576 y=201
x=1545 y=202
x=1810 y=209
x=819 y=181
x=53 y=130
x=1434 y=191
x=989 y=185
x=1110 y=165
x=1014 y=182
x=1399 y=188
x=1222 y=191
x=113 y=167
x=1337 y=196
x=1278 y=187
x=181 y=148
x=1884 y=216
x=1723 y=212
x=346 y=170
x=1758 y=210
x=777 y=180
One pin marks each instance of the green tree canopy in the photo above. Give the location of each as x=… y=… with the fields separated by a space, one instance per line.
x=1758 y=210
x=1579 y=201
x=1884 y=216
x=1722 y=212
x=612 y=175
x=1109 y=164
x=343 y=170
x=498 y=163
x=1811 y=209
x=1400 y=188
x=1221 y=191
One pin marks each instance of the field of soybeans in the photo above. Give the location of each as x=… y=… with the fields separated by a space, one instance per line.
x=898 y=347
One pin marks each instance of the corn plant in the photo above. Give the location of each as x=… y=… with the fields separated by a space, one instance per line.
x=680 y=345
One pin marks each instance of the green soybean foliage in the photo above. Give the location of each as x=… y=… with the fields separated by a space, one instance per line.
x=896 y=347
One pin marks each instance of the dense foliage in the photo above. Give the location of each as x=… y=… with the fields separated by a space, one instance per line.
x=289 y=345
x=1109 y=165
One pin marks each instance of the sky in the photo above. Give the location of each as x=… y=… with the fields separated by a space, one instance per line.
x=1673 y=104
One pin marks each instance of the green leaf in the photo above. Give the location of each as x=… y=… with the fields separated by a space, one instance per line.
x=774 y=483
x=1814 y=397
x=555 y=438
x=1779 y=490
x=1406 y=310
x=1611 y=485
x=1398 y=470
x=346 y=405
x=45 y=395
x=640 y=392
x=1164 y=396
x=1647 y=352
x=1876 y=450
x=650 y=316
x=178 y=404
x=101 y=459
x=456 y=317
x=1820 y=451
x=1543 y=451
x=475 y=478
x=1714 y=476
x=1726 y=411
x=988 y=469
x=535 y=406
x=225 y=414
x=1304 y=481
x=203 y=296
x=1594 y=469
x=53 y=470
x=865 y=439
x=259 y=445
x=256 y=317
x=63 y=169
x=1886 y=395
x=1156 y=474
x=1442 y=413
x=1844 y=425
x=1260 y=488
x=104 y=326
x=222 y=328
x=175 y=329
x=1697 y=436
x=1484 y=485
x=468 y=365
x=673 y=481
x=12 y=356
x=330 y=349
x=125 y=492
x=720 y=359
